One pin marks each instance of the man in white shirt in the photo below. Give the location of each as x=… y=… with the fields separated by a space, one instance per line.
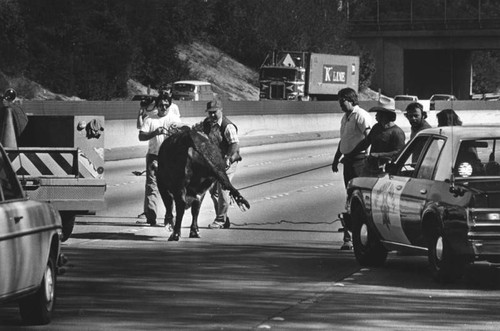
x=354 y=128
x=154 y=129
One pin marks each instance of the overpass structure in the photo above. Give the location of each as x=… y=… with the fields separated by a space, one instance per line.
x=423 y=56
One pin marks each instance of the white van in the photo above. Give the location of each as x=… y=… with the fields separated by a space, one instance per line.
x=192 y=90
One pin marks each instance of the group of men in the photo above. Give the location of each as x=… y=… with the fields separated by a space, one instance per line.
x=385 y=138
x=157 y=124
x=357 y=133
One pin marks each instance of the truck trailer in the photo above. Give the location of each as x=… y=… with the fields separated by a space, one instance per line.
x=287 y=75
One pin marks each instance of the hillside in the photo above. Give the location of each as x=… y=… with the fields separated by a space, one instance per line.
x=231 y=79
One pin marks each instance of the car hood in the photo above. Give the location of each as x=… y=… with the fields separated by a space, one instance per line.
x=486 y=190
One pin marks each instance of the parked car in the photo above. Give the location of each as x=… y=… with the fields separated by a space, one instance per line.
x=440 y=197
x=486 y=97
x=30 y=234
x=405 y=97
x=440 y=97
x=192 y=90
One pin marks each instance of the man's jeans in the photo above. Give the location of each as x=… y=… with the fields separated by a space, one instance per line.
x=152 y=195
x=353 y=167
x=220 y=197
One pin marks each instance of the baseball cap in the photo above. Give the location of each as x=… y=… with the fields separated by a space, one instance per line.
x=214 y=105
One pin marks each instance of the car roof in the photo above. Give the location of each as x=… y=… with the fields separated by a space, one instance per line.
x=192 y=82
x=405 y=96
x=442 y=95
x=464 y=132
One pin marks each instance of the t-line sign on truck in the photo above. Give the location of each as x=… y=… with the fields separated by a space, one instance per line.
x=287 y=75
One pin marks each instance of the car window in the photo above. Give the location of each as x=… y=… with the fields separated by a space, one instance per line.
x=430 y=159
x=479 y=157
x=407 y=163
x=404 y=98
x=184 y=87
x=10 y=188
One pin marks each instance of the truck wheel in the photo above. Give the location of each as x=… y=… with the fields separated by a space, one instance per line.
x=445 y=265
x=368 y=249
x=37 y=308
x=68 y=223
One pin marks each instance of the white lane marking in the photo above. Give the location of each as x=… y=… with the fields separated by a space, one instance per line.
x=289 y=160
x=299 y=190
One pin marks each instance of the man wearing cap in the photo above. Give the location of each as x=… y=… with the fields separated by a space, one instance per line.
x=154 y=129
x=386 y=138
x=231 y=152
x=354 y=127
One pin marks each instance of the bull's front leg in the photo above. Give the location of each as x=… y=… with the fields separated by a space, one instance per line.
x=195 y=211
x=180 y=205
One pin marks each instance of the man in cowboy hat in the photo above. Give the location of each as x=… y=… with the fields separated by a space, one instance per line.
x=386 y=138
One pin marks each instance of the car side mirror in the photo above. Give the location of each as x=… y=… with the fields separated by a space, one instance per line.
x=390 y=168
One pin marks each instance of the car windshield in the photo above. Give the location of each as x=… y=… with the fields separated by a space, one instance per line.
x=183 y=88
x=404 y=98
x=480 y=157
x=279 y=73
x=9 y=187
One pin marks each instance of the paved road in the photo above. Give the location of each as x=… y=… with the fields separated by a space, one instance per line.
x=278 y=267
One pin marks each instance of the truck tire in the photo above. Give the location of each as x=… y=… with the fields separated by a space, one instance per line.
x=37 y=308
x=68 y=223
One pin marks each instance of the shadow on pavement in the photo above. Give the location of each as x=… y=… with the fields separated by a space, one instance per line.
x=186 y=285
x=401 y=295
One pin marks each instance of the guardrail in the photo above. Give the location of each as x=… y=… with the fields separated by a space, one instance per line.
x=124 y=110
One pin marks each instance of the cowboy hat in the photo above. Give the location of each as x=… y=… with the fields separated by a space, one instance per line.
x=385 y=104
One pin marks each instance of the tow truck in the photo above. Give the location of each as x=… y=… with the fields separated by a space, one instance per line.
x=59 y=159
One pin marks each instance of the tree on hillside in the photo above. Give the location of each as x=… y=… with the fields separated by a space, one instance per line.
x=13 y=54
x=248 y=30
x=486 y=71
x=157 y=27
x=78 y=48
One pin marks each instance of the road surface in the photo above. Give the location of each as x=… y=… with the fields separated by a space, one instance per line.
x=278 y=267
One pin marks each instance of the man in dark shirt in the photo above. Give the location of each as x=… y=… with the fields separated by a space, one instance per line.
x=416 y=116
x=386 y=138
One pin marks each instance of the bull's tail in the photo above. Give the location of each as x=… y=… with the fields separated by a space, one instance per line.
x=240 y=201
x=213 y=156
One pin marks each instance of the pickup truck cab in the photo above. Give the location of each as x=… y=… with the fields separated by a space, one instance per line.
x=30 y=233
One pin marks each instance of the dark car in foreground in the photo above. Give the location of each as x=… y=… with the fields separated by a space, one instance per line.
x=30 y=233
x=440 y=197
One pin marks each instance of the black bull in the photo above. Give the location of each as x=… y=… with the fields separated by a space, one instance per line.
x=189 y=162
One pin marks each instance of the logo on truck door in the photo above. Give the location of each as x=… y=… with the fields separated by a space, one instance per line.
x=334 y=74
